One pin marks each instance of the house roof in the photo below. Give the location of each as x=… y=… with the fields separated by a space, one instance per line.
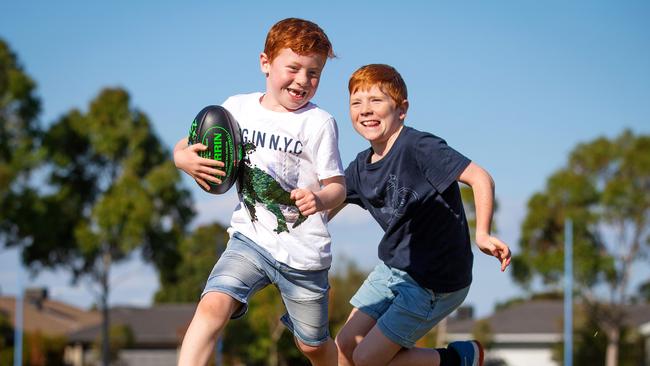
x=50 y=317
x=159 y=325
x=535 y=320
x=541 y=316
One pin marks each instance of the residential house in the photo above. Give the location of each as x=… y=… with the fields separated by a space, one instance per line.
x=157 y=331
x=524 y=334
x=49 y=317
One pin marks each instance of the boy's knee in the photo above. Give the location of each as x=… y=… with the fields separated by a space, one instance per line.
x=311 y=351
x=217 y=305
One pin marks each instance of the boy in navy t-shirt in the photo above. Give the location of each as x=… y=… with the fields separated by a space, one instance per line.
x=407 y=180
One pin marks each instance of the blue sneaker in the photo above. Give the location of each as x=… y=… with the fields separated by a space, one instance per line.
x=470 y=352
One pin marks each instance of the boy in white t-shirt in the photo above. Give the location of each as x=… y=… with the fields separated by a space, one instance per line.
x=292 y=175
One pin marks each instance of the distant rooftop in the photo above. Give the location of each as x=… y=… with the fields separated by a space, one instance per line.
x=535 y=320
x=50 y=317
x=159 y=325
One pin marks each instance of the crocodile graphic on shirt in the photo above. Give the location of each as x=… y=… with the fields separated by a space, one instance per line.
x=259 y=186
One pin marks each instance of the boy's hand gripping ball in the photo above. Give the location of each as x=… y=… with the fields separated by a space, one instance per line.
x=216 y=128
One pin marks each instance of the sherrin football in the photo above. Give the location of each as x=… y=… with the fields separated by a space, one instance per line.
x=216 y=128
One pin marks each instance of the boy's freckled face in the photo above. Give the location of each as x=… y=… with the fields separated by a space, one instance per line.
x=292 y=79
x=376 y=117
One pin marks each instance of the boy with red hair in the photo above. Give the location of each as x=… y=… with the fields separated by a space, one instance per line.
x=295 y=156
x=407 y=180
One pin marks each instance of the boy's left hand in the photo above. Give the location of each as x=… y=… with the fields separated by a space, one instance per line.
x=306 y=201
x=491 y=245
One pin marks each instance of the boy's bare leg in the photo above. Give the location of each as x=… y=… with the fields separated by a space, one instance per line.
x=377 y=349
x=211 y=316
x=322 y=355
x=352 y=333
x=361 y=343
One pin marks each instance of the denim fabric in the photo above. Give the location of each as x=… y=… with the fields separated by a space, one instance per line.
x=404 y=310
x=245 y=268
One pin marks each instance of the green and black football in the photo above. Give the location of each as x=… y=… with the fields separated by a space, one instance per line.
x=217 y=129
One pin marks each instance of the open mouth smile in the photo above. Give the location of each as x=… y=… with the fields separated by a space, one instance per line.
x=370 y=123
x=297 y=93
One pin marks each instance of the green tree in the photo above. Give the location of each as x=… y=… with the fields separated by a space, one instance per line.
x=110 y=189
x=198 y=253
x=343 y=285
x=266 y=309
x=6 y=340
x=19 y=140
x=590 y=342
x=43 y=350
x=604 y=190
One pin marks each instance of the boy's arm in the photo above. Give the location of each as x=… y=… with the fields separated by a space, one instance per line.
x=202 y=170
x=331 y=196
x=483 y=188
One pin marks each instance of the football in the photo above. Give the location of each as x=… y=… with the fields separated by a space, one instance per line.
x=216 y=128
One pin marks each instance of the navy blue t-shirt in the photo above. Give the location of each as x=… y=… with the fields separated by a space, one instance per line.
x=414 y=196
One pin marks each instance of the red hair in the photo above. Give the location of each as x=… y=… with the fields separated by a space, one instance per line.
x=301 y=36
x=384 y=76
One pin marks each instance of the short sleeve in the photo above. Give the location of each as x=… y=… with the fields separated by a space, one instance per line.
x=229 y=104
x=440 y=164
x=327 y=158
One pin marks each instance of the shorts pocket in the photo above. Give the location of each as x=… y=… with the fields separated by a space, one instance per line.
x=414 y=299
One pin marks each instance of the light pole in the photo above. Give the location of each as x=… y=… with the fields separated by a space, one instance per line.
x=18 y=322
x=568 y=292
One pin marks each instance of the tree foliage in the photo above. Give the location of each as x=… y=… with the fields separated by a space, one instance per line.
x=590 y=342
x=604 y=191
x=44 y=350
x=6 y=340
x=111 y=188
x=108 y=189
x=198 y=252
x=344 y=284
x=19 y=139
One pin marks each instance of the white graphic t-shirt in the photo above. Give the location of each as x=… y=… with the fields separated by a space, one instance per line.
x=282 y=152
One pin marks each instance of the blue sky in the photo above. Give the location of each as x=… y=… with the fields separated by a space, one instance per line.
x=514 y=85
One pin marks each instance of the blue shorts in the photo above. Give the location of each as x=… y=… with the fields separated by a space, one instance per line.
x=245 y=268
x=404 y=310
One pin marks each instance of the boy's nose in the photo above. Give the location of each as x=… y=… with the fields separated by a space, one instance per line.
x=366 y=109
x=301 y=78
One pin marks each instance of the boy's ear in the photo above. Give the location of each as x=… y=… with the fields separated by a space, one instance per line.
x=265 y=64
x=404 y=107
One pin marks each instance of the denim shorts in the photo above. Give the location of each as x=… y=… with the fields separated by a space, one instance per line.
x=404 y=310
x=245 y=268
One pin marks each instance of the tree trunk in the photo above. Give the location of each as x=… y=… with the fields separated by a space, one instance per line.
x=611 y=357
x=105 y=313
